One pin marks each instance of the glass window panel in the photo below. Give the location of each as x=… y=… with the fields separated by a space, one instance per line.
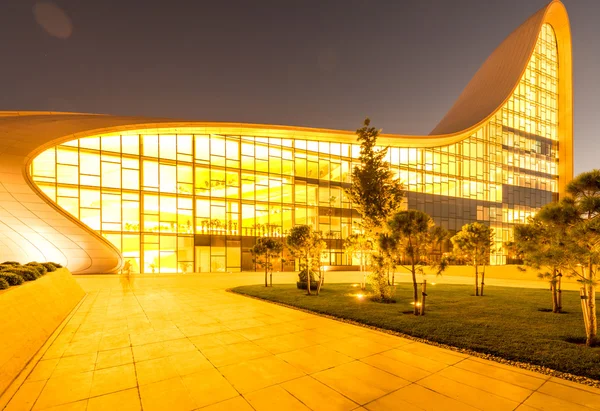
x=66 y=155
x=202 y=144
x=131 y=216
x=67 y=174
x=150 y=169
x=131 y=144
x=71 y=205
x=217 y=146
x=151 y=204
x=90 y=163
x=168 y=147
x=111 y=143
x=150 y=145
x=184 y=144
x=233 y=150
x=131 y=179
x=111 y=208
x=89 y=198
x=168 y=178
x=111 y=175
x=92 y=143
x=90 y=217
x=44 y=164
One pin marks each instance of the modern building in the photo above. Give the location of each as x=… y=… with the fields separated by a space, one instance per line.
x=95 y=191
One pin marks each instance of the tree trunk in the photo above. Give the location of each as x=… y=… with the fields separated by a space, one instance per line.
x=559 y=292
x=415 y=289
x=393 y=278
x=476 y=281
x=271 y=278
x=553 y=289
x=554 y=296
x=266 y=275
x=482 y=280
x=423 y=297
x=308 y=277
x=363 y=283
x=591 y=306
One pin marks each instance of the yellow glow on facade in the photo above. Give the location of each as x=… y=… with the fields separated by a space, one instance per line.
x=182 y=198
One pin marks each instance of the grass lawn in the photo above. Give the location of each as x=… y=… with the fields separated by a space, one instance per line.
x=506 y=322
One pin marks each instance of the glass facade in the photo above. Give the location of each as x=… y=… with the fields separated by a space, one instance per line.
x=195 y=199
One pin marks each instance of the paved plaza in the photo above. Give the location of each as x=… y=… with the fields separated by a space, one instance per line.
x=184 y=343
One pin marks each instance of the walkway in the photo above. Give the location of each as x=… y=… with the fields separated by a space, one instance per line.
x=183 y=343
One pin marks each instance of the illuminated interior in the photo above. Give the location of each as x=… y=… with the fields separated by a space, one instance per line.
x=195 y=198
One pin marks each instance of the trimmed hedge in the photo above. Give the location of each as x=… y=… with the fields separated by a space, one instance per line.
x=40 y=268
x=28 y=273
x=13 y=273
x=50 y=266
x=11 y=279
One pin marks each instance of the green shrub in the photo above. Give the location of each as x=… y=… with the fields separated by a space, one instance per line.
x=11 y=279
x=50 y=267
x=27 y=273
x=41 y=270
x=302 y=276
x=3 y=284
x=11 y=263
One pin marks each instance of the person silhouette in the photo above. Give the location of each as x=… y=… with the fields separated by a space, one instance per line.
x=127 y=267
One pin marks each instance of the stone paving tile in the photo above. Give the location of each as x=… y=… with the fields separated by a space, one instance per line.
x=575 y=385
x=127 y=400
x=397 y=368
x=318 y=396
x=113 y=379
x=485 y=383
x=359 y=381
x=259 y=373
x=284 y=343
x=422 y=398
x=569 y=393
x=207 y=387
x=182 y=343
x=26 y=396
x=234 y=353
x=467 y=394
x=65 y=389
x=357 y=346
x=238 y=404
x=168 y=394
x=314 y=358
x=112 y=358
x=43 y=370
x=511 y=375
x=416 y=361
x=545 y=402
x=274 y=398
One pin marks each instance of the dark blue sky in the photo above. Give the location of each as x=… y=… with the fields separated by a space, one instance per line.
x=295 y=62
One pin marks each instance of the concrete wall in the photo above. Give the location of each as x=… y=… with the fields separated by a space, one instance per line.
x=30 y=314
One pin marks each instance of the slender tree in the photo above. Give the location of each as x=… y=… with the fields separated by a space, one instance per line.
x=361 y=246
x=374 y=192
x=307 y=245
x=415 y=236
x=585 y=193
x=544 y=244
x=265 y=251
x=473 y=244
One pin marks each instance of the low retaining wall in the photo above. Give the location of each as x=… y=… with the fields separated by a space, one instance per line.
x=30 y=313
